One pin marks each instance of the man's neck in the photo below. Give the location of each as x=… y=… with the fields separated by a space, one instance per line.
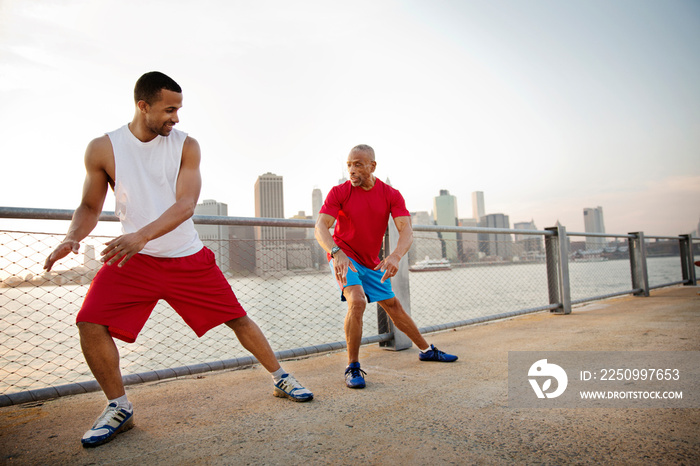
x=141 y=133
x=372 y=181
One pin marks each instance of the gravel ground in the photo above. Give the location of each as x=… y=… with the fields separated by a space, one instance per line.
x=411 y=412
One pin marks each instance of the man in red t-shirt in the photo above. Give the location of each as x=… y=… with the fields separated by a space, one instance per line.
x=362 y=207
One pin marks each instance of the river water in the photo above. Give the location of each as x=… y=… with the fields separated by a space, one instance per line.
x=39 y=346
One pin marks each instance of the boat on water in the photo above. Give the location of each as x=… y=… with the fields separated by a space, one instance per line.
x=430 y=265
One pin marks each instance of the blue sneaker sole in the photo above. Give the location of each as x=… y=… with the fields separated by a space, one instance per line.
x=123 y=428
x=437 y=360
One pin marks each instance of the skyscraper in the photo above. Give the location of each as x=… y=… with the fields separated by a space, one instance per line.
x=269 y=196
x=317 y=253
x=593 y=223
x=528 y=246
x=215 y=237
x=299 y=245
x=496 y=245
x=445 y=214
x=270 y=253
x=468 y=243
x=425 y=243
x=478 y=206
x=316 y=202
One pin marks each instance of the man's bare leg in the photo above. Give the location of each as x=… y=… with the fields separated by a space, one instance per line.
x=102 y=356
x=253 y=340
x=355 y=297
x=403 y=321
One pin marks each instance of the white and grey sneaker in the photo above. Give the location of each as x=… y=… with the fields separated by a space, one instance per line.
x=289 y=387
x=112 y=421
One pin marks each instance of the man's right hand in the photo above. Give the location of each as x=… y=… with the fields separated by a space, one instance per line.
x=60 y=252
x=341 y=262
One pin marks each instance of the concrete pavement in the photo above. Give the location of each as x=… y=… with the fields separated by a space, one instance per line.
x=411 y=412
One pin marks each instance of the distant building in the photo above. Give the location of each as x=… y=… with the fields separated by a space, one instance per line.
x=242 y=249
x=478 y=206
x=593 y=223
x=468 y=243
x=497 y=246
x=318 y=255
x=316 y=203
x=215 y=237
x=527 y=245
x=425 y=243
x=299 y=245
x=270 y=252
x=90 y=260
x=445 y=214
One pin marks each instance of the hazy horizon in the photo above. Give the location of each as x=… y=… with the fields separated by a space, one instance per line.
x=547 y=107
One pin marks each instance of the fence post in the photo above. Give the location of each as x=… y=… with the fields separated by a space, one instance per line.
x=687 y=260
x=638 y=263
x=557 y=254
x=400 y=285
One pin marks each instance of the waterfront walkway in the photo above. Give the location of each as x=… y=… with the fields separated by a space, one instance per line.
x=411 y=412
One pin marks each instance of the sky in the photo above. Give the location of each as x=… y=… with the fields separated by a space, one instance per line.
x=547 y=107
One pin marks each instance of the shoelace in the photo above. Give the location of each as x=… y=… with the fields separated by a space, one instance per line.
x=355 y=372
x=108 y=414
x=438 y=354
x=291 y=383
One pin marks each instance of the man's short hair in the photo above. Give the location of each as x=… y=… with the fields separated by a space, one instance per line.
x=149 y=85
x=364 y=148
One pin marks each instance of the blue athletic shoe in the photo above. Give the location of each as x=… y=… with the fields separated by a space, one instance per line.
x=288 y=387
x=434 y=354
x=354 y=376
x=112 y=421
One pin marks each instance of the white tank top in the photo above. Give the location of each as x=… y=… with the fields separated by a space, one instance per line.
x=145 y=178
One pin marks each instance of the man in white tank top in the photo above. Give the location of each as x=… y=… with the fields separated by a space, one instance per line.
x=154 y=172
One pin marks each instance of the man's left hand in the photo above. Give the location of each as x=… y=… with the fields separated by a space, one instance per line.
x=123 y=248
x=390 y=266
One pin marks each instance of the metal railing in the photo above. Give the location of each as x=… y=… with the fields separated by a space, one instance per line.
x=281 y=277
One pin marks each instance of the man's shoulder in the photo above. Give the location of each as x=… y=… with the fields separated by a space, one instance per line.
x=344 y=187
x=100 y=146
x=180 y=134
x=386 y=187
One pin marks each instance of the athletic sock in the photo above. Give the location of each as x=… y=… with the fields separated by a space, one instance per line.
x=122 y=402
x=278 y=374
x=427 y=348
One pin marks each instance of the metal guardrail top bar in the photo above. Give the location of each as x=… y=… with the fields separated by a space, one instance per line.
x=456 y=229
x=65 y=214
x=107 y=216
x=674 y=238
x=47 y=214
x=602 y=235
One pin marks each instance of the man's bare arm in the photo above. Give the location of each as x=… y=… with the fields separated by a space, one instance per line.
x=390 y=264
x=189 y=184
x=341 y=262
x=88 y=212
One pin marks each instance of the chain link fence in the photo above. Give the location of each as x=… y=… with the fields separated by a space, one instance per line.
x=286 y=287
x=475 y=285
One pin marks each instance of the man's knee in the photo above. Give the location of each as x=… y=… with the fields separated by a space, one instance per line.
x=392 y=306
x=238 y=323
x=89 y=328
x=355 y=297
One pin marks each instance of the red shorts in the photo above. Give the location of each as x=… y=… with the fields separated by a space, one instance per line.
x=122 y=298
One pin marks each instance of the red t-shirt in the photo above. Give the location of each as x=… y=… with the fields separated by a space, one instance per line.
x=362 y=217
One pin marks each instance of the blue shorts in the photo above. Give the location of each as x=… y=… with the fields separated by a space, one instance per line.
x=370 y=280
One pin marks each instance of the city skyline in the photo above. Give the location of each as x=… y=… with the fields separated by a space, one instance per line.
x=547 y=106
